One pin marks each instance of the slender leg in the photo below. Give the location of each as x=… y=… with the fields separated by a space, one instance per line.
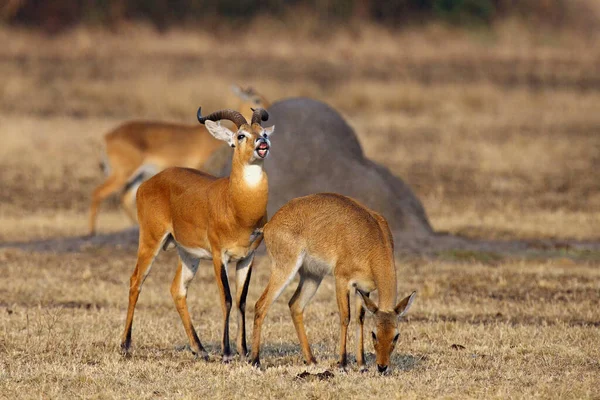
x=243 y=271
x=220 y=266
x=282 y=273
x=306 y=289
x=128 y=204
x=108 y=187
x=146 y=253
x=131 y=186
x=342 y=294
x=186 y=270
x=360 y=344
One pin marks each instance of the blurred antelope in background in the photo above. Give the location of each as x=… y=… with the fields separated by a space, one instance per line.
x=328 y=233
x=249 y=99
x=207 y=218
x=137 y=150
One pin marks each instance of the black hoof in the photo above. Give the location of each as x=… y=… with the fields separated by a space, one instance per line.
x=227 y=358
x=203 y=355
x=124 y=349
x=341 y=367
x=125 y=354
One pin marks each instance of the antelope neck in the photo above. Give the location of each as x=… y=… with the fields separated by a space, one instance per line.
x=248 y=191
x=385 y=281
x=249 y=174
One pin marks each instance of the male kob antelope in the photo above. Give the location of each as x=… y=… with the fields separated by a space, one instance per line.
x=137 y=150
x=207 y=218
x=324 y=234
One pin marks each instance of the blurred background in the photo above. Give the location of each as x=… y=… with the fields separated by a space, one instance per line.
x=57 y=15
x=488 y=109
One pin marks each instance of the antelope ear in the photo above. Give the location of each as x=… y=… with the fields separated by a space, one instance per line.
x=367 y=302
x=269 y=130
x=220 y=132
x=402 y=307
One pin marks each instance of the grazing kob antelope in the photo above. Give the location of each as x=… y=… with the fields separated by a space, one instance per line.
x=137 y=150
x=207 y=218
x=328 y=233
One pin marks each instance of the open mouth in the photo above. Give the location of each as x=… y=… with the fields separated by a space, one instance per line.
x=262 y=150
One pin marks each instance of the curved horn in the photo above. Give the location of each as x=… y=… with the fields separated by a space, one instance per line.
x=232 y=115
x=258 y=115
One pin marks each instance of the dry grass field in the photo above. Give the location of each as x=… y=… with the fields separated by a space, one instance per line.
x=498 y=133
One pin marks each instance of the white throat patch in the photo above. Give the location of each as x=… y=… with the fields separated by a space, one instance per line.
x=253 y=174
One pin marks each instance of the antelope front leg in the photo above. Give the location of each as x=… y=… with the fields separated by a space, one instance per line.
x=243 y=271
x=220 y=265
x=360 y=342
x=342 y=294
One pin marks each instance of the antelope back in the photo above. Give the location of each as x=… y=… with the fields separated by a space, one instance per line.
x=333 y=228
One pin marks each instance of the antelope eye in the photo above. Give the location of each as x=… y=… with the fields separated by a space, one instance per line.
x=373 y=336
x=240 y=137
x=396 y=337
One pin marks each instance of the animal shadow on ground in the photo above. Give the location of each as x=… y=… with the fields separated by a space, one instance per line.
x=274 y=354
x=402 y=362
x=125 y=239
x=181 y=352
x=406 y=362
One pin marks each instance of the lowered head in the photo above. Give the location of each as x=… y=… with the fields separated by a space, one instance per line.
x=385 y=336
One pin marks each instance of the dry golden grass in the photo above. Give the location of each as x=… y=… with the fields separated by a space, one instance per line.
x=529 y=328
x=498 y=133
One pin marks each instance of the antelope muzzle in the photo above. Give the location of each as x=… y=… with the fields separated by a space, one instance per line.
x=262 y=148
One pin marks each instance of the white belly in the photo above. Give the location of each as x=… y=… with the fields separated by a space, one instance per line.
x=316 y=266
x=197 y=252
